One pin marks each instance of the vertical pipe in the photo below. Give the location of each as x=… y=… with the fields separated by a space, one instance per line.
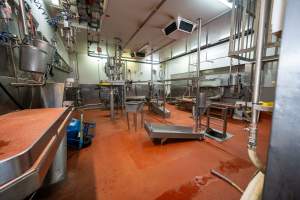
x=232 y=29
x=189 y=76
x=164 y=90
x=151 y=84
x=112 y=114
x=198 y=76
x=151 y=66
x=252 y=143
x=23 y=16
x=125 y=89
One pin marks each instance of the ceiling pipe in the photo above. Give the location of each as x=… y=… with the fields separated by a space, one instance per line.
x=144 y=22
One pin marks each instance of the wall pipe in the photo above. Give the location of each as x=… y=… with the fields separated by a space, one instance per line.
x=255 y=188
x=252 y=143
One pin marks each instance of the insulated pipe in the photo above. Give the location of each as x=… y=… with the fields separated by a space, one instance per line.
x=198 y=75
x=23 y=16
x=255 y=159
x=214 y=172
x=252 y=143
x=255 y=188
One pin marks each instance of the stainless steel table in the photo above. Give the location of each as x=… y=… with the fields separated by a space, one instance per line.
x=29 y=142
x=163 y=132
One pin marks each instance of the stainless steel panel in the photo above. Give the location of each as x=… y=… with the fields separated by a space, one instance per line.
x=282 y=176
x=158 y=108
x=5 y=61
x=58 y=168
x=33 y=59
x=219 y=28
x=52 y=95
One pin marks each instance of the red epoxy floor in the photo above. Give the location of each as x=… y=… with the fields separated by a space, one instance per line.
x=126 y=165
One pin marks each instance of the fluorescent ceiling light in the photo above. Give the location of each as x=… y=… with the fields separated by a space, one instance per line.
x=225 y=2
x=55 y=2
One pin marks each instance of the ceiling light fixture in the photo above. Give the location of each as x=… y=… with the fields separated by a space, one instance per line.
x=226 y=3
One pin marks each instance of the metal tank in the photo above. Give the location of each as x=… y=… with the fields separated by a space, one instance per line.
x=45 y=46
x=33 y=59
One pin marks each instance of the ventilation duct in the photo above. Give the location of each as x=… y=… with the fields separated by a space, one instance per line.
x=179 y=28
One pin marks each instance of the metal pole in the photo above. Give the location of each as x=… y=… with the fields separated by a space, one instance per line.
x=252 y=143
x=164 y=89
x=125 y=79
x=23 y=16
x=112 y=114
x=151 y=94
x=151 y=67
x=197 y=112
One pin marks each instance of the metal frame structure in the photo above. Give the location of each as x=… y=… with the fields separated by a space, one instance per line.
x=220 y=117
x=244 y=30
x=164 y=132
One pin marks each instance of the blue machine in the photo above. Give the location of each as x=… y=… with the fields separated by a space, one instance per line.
x=78 y=135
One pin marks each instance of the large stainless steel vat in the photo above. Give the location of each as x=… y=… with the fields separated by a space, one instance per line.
x=33 y=59
x=45 y=46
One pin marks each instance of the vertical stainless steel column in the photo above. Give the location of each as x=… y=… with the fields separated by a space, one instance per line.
x=164 y=89
x=151 y=85
x=124 y=89
x=151 y=66
x=197 y=113
x=112 y=110
x=282 y=174
x=252 y=143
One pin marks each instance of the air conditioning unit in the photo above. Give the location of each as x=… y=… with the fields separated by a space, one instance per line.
x=138 y=54
x=179 y=28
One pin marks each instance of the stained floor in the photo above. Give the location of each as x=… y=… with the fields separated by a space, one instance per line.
x=124 y=164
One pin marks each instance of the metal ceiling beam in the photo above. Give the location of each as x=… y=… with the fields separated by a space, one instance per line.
x=144 y=22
